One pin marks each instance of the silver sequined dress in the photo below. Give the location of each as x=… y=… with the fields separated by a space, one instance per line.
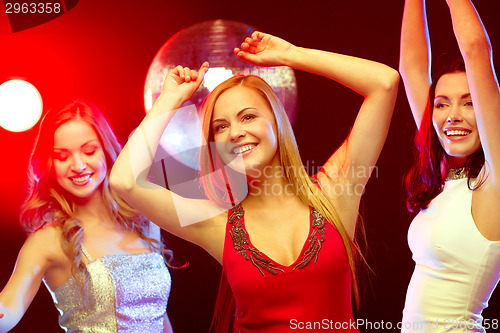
x=127 y=293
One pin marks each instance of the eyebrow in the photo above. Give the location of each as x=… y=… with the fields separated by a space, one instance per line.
x=82 y=146
x=238 y=114
x=447 y=98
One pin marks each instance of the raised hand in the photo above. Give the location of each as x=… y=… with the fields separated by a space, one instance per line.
x=183 y=81
x=262 y=49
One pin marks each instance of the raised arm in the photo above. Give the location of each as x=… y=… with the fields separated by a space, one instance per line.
x=129 y=174
x=475 y=47
x=377 y=82
x=24 y=283
x=415 y=57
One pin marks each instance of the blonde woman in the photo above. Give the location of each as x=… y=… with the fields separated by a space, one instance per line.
x=286 y=241
x=99 y=258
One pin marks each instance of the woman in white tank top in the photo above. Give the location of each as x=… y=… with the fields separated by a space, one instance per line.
x=453 y=185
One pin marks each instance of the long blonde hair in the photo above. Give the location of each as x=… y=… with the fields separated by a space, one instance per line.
x=294 y=171
x=49 y=204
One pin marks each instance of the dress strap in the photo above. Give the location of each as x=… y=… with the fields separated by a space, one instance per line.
x=85 y=253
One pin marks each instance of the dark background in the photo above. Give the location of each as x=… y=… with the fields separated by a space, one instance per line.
x=101 y=51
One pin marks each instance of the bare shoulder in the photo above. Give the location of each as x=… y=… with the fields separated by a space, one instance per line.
x=46 y=243
x=35 y=260
x=207 y=227
x=485 y=209
x=210 y=234
x=337 y=185
x=337 y=180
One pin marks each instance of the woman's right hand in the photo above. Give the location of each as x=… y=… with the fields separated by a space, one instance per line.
x=1 y=310
x=183 y=81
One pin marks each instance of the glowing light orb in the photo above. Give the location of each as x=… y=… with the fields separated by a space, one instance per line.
x=211 y=41
x=148 y=99
x=215 y=76
x=20 y=105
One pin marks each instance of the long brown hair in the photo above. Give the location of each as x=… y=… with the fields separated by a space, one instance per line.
x=48 y=204
x=294 y=171
x=426 y=178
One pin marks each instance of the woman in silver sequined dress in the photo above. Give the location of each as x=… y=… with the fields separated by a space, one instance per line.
x=102 y=261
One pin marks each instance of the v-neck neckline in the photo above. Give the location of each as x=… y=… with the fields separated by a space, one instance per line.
x=301 y=253
x=243 y=245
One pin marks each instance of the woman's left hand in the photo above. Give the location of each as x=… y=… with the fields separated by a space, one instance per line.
x=264 y=50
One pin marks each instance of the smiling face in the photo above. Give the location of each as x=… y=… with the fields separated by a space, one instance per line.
x=244 y=119
x=79 y=160
x=453 y=118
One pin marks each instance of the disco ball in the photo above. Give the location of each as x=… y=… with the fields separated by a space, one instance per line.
x=211 y=41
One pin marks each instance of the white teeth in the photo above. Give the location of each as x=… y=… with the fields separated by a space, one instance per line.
x=239 y=150
x=456 y=132
x=81 y=179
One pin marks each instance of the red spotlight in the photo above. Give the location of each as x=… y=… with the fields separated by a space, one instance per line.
x=20 y=105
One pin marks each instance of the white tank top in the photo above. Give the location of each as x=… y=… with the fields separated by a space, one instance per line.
x=456 y=267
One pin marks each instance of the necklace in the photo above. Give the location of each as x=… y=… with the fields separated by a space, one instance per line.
x=456 y=173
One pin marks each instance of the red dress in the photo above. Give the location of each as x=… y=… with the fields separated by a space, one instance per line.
x=312 y=294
